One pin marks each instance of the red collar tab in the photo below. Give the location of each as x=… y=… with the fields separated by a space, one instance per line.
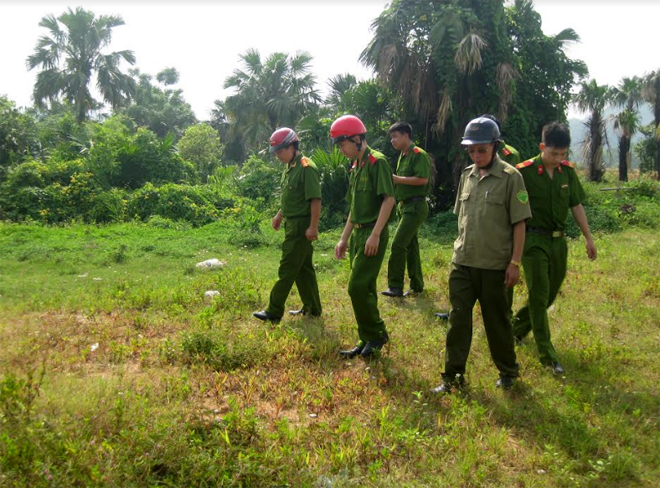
x=559 y=168
x=416 y=150
x=506 y=152
x=568 y=163
x=372 y=159
x=354 y=165
x=540 y=170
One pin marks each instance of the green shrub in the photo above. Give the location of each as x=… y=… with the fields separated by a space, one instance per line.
x=259 y=179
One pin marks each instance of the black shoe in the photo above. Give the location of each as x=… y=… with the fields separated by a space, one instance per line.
x=351 y=353
x=505 y=382
x=442 y=315
x=263 y=315
x=372 y=347
x=302 y=312
x=447 y=385
x=557 y=368
x=412 y=292
x=392 y=292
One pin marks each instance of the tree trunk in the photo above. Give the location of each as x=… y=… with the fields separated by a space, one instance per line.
x=596 y=149
x=624 y=147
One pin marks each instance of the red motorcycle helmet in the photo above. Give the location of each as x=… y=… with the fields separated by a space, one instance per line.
x=283 y=137
x=346 y=127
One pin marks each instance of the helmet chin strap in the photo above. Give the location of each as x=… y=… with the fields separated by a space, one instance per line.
x=496 y=145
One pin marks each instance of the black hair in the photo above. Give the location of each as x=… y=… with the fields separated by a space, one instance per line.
x=295 y=145
x=557 y=135
x=403 y=127
x=494 y=119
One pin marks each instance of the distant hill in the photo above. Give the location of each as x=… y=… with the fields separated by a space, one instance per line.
x=611 y=156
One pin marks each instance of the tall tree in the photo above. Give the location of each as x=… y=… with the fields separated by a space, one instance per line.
x=651 y=93
x=162 y=109
x=453 y=60
x=72 y=54
x=626 y=95
x=592 y=98
x=270 y=93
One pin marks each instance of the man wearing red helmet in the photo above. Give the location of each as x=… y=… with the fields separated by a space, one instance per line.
x=300 y=210
x=371 y=200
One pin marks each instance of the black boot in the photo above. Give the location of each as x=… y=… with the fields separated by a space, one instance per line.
x=351 y=353
x=393 y=292
x=265 y=316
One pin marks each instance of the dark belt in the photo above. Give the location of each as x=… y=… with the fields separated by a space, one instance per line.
x=364 y=226
x=413 y=199
x=545 y=232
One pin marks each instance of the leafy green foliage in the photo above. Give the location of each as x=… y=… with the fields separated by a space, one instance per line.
x=160 y=109
x=646 y=149
x=18 y=135
x=200 y=145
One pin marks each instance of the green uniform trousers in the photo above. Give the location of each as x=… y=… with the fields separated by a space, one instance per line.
x=466 y=286
x=405 y=246
x=362 y=284
x=544 y=263
x=296 y=266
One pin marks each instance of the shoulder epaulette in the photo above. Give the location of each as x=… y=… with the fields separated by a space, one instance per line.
x=372 y=159
x=506 y=151
x=304 y=161
x=524 y=164
x=568 y=163
x=508 y=169
x=416 y=150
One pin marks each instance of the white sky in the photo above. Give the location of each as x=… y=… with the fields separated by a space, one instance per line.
x=202 y=40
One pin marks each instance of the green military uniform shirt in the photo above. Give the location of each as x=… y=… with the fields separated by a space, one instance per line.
x=415 y=162
x=370 y=180
x=509 y=154
x=551 y=198
x=300 y=183
x=487 y=208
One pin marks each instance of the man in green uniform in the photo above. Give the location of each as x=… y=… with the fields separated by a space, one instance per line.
x=553 y=187
x=371 y=200
x=300 y=210
x=411 y=187
x=492 y=206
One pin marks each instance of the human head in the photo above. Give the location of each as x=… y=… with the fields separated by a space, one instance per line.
x=348 y=132
x=494 y=119
x=284 y=144
x=482 y=136
x=556 y=140
x=400 y=135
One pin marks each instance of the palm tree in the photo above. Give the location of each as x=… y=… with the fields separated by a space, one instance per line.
x=651 y=93
x=72 y=53
x=627 y=95
x=592 y=98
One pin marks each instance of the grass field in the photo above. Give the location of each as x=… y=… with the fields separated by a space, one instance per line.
x=116 y=371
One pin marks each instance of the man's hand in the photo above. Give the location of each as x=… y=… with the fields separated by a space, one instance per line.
x=371 y=246
x=312 y=233
x=591 y=249
x=340 y=249
x=512 y=275
x=277 y=221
